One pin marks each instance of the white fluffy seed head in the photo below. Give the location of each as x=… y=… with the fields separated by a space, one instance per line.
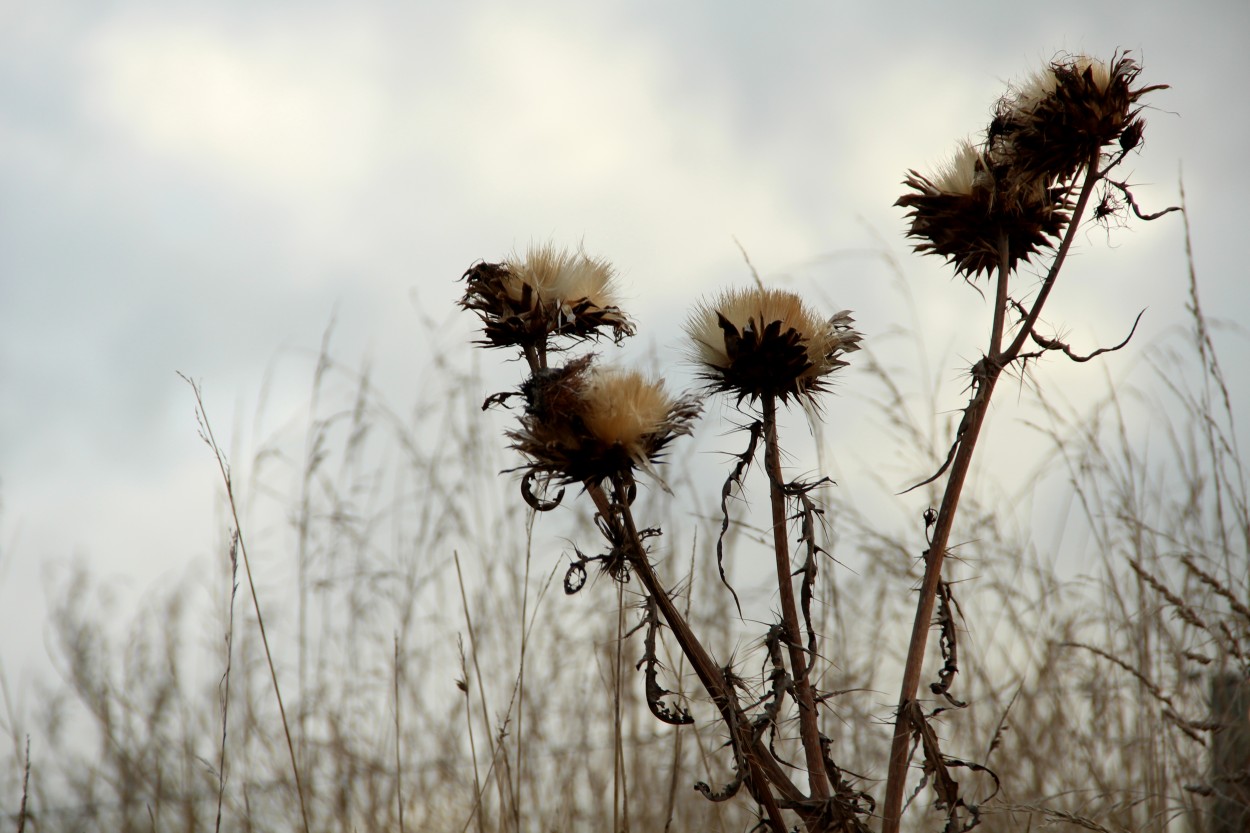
x=962 y=172
x=562 y=276
x=1040 y=85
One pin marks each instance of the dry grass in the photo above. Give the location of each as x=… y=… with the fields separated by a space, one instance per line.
x=358 y=596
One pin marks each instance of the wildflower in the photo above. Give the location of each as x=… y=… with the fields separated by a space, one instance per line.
x=970 y=206
x=585 y=423
x=1051 y=124
x=767 y=342
x=524 y=301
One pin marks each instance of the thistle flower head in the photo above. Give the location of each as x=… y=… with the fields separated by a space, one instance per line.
x=585 y=423
x=767 y=342
x=969 y=206
x=1050 y=125
x=524 y=301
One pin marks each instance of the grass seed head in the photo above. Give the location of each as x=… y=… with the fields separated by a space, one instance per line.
x=767 y=342
x=524 y=301
x=589 y=423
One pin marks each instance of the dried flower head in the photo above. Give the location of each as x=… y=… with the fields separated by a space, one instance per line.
x=1051 y=124
x=767 y=342
x=969 y=206
x=585 y=423
x=550 y=292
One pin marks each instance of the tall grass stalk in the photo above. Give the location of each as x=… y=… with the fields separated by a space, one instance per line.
x=223 y=467
x=399 y=734
x=463 y=684
x=21 y=810
x=524 y=644
x=225 y=678
x=507 y=798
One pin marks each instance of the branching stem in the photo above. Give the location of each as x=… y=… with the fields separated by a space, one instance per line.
x=765 y=774
x=986 y=374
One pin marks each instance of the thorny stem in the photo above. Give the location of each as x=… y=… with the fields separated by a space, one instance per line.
x=934 y=556
x=985 y=376
x=765 y=773
x=809 y=727
x=1091 y=179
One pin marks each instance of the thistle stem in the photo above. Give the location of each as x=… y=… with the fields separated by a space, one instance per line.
x=534 y=358
x=809 y=728
x=934 y=556
x=765 y=774
x=1092 y=175
x=1000 y=300
x=986 y=376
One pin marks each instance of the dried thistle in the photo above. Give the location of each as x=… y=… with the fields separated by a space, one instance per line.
x=550 y=292
x=768 y=343
x=971 y=206
x=585 y=423
x=1050 y=125
x=1015 y=190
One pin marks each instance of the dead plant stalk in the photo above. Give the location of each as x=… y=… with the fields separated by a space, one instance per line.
x=985 y=376
x=808 y=719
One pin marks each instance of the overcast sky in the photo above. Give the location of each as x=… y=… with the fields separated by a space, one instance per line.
x=199 y=187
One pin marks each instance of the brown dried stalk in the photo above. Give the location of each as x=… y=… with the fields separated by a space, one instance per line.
x=761 y=772
x=809 y=728
x=985 y=375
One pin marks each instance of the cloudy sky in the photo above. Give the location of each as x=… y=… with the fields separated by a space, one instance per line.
x=200 y=187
